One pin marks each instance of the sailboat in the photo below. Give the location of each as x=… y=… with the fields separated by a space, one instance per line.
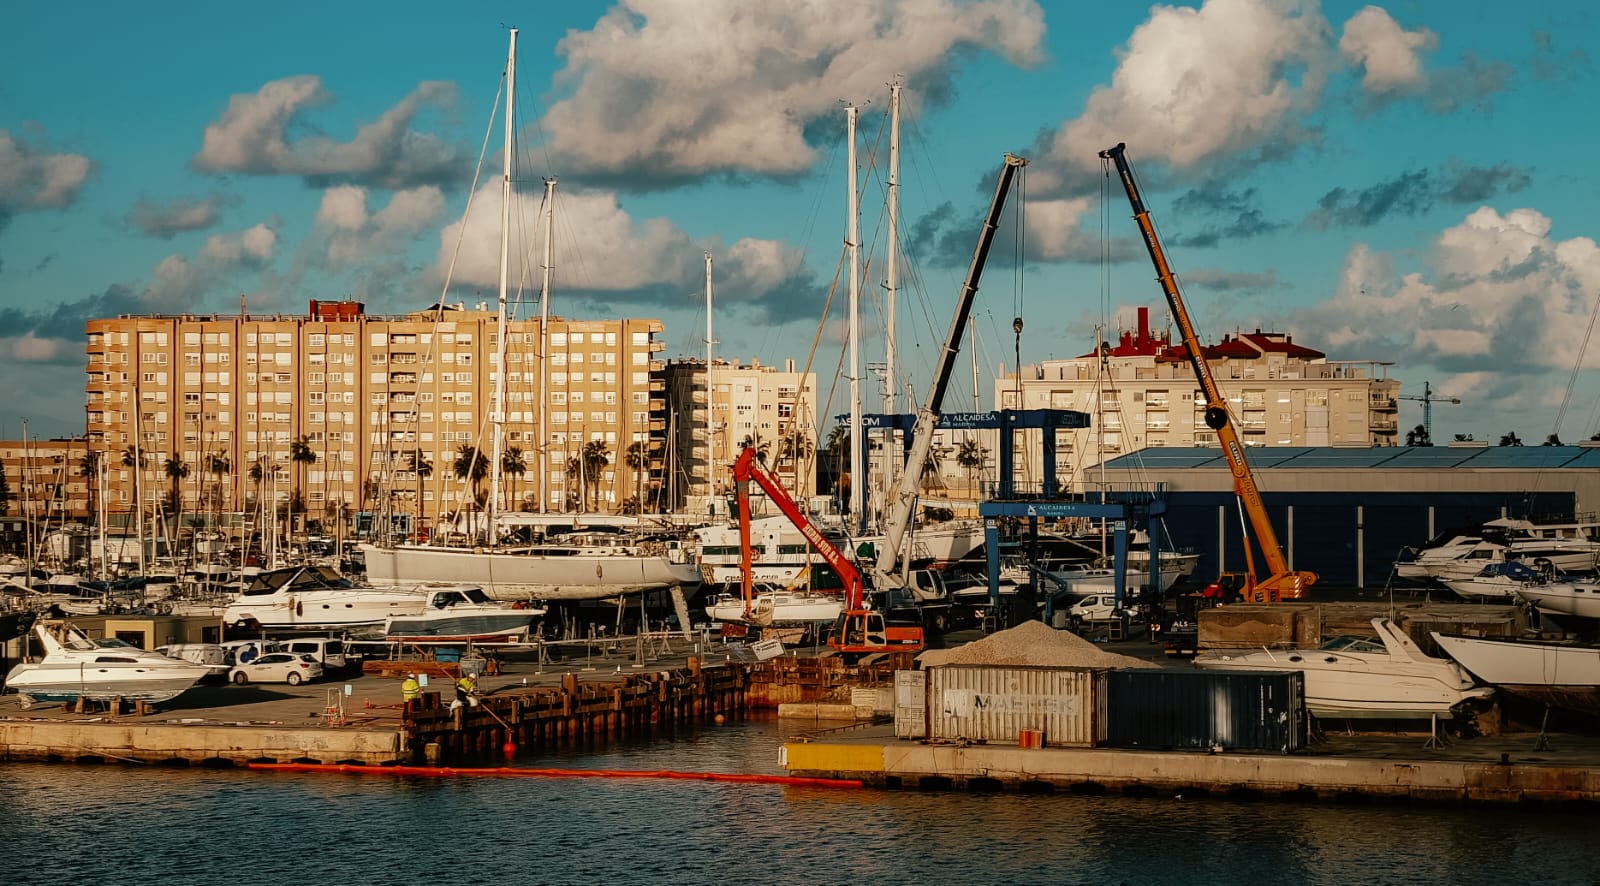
x=573 y=566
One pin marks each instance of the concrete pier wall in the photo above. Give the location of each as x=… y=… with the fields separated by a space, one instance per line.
x=198 y=744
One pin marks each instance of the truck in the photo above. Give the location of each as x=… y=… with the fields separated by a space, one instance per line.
x=1281 y=582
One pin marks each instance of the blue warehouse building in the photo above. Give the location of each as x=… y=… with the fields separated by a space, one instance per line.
x=1347 y=514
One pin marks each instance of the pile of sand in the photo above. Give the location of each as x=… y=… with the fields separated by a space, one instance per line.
x=1032 y=643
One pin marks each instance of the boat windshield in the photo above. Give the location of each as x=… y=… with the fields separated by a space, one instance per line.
x=113 y=643
x=1353 y=644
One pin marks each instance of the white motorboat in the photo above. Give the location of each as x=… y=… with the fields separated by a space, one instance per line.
x=465 y=614
x=779 y=553
x=1564 y=675
x=317 y=597
x=1361 y=677
x=1580 y=598
x=1569 y=547
x=776 y=606
x=75 y=667
x=1501 y=580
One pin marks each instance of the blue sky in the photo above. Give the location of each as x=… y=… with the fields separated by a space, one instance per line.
x=1409 y=183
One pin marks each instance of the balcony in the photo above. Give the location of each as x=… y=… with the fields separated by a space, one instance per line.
x=658 y=366
x=658 y=385
x=1383 y=403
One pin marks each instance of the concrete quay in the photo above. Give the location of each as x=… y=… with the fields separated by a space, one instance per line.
x=1512 y=769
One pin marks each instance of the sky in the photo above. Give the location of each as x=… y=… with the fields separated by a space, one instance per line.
x=1410 y=183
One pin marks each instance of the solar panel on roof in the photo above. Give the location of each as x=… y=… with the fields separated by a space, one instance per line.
x=1521 y=457
x=1429 y=456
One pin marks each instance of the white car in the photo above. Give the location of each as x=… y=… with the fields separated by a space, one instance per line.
x=277 y=667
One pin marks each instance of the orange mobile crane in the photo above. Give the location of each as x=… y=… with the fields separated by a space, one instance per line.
x=1282 y=583
x=858 y=630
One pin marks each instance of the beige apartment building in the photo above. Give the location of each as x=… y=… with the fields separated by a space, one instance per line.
x=47 y=480
x=352 y=410
x=1140 y=391
x=773 y=409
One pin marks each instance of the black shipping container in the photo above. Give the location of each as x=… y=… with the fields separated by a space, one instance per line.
x=1171 y=709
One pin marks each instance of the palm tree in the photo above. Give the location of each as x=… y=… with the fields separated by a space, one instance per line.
x=636 y=457
x=218 y=465
x=513 y=465
x=89 y=466
x=574 y=471
x=424 y=470
x=971 y=456
x=176 y=472
x=300 y=454
x=595 y=458
x=133 y=458
x=471 y=466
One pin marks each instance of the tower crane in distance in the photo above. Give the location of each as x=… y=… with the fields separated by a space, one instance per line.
x=1427 y=399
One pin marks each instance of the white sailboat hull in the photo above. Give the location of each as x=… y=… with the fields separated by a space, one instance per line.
x=1564 y=598
x=776 y=608
x=513 y=575
x=1562 y=675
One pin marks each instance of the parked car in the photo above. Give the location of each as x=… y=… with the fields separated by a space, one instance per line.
x=326 y=652
x=277 y=667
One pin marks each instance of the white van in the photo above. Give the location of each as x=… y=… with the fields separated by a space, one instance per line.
x=329 y=652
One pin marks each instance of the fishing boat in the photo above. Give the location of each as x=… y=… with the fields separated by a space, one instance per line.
x=1359 y=677
x=458 y=615
x=1563 y=675
x=75 y=667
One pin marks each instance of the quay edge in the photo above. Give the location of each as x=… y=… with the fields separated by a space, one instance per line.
x=193 y=744
x=898 y=764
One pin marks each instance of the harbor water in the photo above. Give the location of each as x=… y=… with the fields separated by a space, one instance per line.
x=116 y=824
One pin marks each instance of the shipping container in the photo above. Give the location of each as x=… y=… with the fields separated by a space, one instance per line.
x=911 y=704
x=1206 y=710
x=993 y=704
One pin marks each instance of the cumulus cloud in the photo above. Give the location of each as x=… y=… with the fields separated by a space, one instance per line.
x=253 y=137
x=32 y=177
x=1390 y=56
x=1193 y=85
x=659 y=91
x=181 y=214
x=601 y=251
x=353 y=234
x=1497 y=290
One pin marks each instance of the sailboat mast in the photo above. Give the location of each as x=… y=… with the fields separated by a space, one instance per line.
x=496 y=416
x=711 y=420
x=853 y=241
x=892 y=283
x=544 y=335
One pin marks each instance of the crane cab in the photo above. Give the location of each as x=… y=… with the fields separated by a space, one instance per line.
x=867 y=631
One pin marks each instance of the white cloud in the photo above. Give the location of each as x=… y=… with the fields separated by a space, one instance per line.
x=354 y=235
x=33 y=178
x=1055 y=229
x=660 y=88
x=1497 y=289
x=252 y=136
x=1390 y=55
x=599 y=248
x=251 y=247
x=1193 y=84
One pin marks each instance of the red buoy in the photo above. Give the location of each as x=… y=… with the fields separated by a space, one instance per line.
x=509 y=749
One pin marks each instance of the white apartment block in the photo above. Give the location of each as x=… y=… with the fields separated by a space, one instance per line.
x=1141 y=392
x=343 y=407
x=770 y=408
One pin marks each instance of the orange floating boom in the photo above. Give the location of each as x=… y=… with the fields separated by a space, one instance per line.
x=514 y=772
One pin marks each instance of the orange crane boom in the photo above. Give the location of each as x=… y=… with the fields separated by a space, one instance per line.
x=1282 y=583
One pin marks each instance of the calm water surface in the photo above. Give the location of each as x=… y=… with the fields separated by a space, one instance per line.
x=113 y=824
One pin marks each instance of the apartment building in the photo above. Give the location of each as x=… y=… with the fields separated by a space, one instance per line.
x=350 y=410
x=1141 y=391
x=770 y=408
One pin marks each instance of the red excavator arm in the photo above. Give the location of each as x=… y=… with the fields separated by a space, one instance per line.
x=859 y=631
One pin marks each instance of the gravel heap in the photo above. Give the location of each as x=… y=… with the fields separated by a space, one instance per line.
x=1032 y=643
